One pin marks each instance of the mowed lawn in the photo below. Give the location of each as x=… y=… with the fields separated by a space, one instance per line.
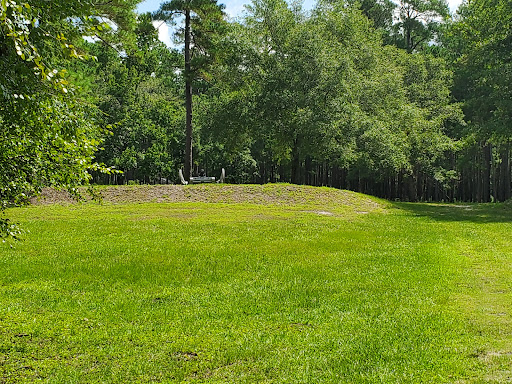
x=307 y=292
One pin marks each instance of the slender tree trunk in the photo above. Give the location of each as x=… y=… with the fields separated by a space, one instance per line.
x=477 y=194
x=503 y=179
x=308 y=170
x=412 y=189
x=506 y=172
x=408 y=40
x=486 y=179
x=188 y=100
x=296 y=162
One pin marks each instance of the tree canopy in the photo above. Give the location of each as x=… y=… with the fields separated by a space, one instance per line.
x=397 y=99
x=49 y=134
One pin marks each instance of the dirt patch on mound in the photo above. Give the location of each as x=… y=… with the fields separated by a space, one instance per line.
x=280 y=194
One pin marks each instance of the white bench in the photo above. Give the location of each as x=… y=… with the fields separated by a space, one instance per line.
x=202 y=179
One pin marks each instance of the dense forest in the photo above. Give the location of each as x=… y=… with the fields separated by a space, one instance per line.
x=397 y=99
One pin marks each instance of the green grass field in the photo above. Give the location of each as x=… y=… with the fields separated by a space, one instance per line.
x=311 y=291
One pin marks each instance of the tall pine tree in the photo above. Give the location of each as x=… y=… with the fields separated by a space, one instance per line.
x=203 y=24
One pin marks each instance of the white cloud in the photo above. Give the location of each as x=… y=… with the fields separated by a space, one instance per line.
x=163 y=32
x=234 y=8
x=454 y=4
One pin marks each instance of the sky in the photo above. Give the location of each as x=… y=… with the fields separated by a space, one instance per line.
x=233 y=8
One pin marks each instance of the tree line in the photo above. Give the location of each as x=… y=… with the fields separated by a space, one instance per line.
x=397 y=99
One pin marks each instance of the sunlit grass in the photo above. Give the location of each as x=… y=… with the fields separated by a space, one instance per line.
x=234 y=293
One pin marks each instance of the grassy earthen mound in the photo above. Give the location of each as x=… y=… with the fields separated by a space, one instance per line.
x=279 y=194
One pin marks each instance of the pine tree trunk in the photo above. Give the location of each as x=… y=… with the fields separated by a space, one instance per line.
x=188 y=101
x=504 y=179
x=486 y=179
x=296 y=163
x=506 y=173
x=308 y=170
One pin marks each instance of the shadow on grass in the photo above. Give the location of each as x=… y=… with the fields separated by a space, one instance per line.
x=471 y=212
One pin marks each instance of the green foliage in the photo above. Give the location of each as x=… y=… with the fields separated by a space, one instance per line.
x=411 y=25
x=418 y=23
x=9 y=230
x=44 y=143
x=49 y=134
x=33 y=33
x=298 y=91
x=138 y=96
x=427 y=80
x=479 y=42
x=379 y=12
